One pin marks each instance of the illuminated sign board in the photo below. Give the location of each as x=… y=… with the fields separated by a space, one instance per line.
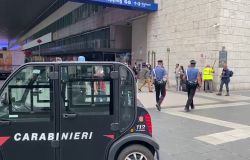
x=127 y=4
x=3 y=43
x=39 y=41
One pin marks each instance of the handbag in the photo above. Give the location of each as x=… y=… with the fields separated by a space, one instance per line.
x=184 y=86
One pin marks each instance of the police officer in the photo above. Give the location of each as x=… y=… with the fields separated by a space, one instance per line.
x=160 y=80
x=192 y=76
x=208 y=76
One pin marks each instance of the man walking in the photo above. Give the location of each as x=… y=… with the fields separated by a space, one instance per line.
x=177 y=76
x=208 y=76
x=192 y=76
x=136 y=71
x=160 y=80
x=225 y=79
x=146 y=78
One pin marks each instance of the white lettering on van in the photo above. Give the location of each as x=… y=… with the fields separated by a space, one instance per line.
x=57 y=136
x=34 y=136
x=50 y=136
x=71 y=135
x=26 y=137
x=85 y=135
x=53 y=136
x=77 y=136
x=90 y=135
x=17 y=137
x=42 y=137
x=65 y=136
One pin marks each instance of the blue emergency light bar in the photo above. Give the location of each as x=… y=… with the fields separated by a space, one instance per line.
x=126 y=4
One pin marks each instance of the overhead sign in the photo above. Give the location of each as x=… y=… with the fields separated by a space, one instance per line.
x=127 y=4
x=39 y=41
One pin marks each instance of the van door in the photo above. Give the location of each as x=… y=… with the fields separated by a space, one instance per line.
x=26 y=115
x=87 y=112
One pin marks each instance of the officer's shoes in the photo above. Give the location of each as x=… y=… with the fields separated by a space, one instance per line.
x=186 y=110
x=158 y=107
x=218 y=94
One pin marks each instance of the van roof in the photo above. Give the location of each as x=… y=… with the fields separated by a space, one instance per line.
x=77 y=62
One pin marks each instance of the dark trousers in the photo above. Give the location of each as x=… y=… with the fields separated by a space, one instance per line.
x=160 y=90
x=191 y=92
x=222 y=84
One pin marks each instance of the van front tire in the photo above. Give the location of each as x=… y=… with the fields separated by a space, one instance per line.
x=136 y=152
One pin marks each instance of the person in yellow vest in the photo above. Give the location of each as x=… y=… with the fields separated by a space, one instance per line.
x=208 y=77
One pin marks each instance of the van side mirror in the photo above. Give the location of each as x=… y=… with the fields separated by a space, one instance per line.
x=114 y=75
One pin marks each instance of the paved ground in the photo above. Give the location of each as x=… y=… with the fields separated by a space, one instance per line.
x=218 y=129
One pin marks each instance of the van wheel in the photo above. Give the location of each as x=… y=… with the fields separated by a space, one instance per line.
x=136 y=152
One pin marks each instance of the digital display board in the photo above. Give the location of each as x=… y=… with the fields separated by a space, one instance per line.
x=127 y=4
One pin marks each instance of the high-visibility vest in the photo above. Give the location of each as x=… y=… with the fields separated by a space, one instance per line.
x=208 y=74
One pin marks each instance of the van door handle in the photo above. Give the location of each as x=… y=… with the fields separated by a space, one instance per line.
x=69 y=115
x=114 y=126
x=4 y=123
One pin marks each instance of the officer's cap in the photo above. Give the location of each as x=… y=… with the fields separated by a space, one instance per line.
x=192 y=62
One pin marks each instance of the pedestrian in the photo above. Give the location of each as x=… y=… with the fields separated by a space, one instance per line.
x=160 y=80
x=225 y=79
x=151 y=76
x=201 y=80
x=100 y=85
x=208 y=76
x=193 y=80
x=182 y=79
x=177 y=76
x=136 y=71
x=146 y=73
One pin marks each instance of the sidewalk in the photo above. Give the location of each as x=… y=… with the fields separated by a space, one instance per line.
x=175 y=99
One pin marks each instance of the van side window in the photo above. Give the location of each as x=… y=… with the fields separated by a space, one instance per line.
x=28 y=94
x=87 y=89
x=127 y=98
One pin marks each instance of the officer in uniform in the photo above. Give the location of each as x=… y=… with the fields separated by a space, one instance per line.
x=160 y=80
x=208 y=76
x=192 y=76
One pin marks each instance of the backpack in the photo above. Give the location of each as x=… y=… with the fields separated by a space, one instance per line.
x=231 y=73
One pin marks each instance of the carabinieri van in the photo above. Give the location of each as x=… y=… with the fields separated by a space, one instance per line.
x=74 y=111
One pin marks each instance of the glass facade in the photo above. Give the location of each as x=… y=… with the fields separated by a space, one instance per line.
x=85 y=11
x=92 y=40
x=95 y=45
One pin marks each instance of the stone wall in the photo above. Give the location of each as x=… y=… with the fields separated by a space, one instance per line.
x=234 y=34
x=197 y=30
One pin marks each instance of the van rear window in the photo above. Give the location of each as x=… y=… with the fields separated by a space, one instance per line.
x=87 y=89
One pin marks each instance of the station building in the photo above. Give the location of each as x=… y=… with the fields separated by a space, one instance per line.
x=180 y=30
